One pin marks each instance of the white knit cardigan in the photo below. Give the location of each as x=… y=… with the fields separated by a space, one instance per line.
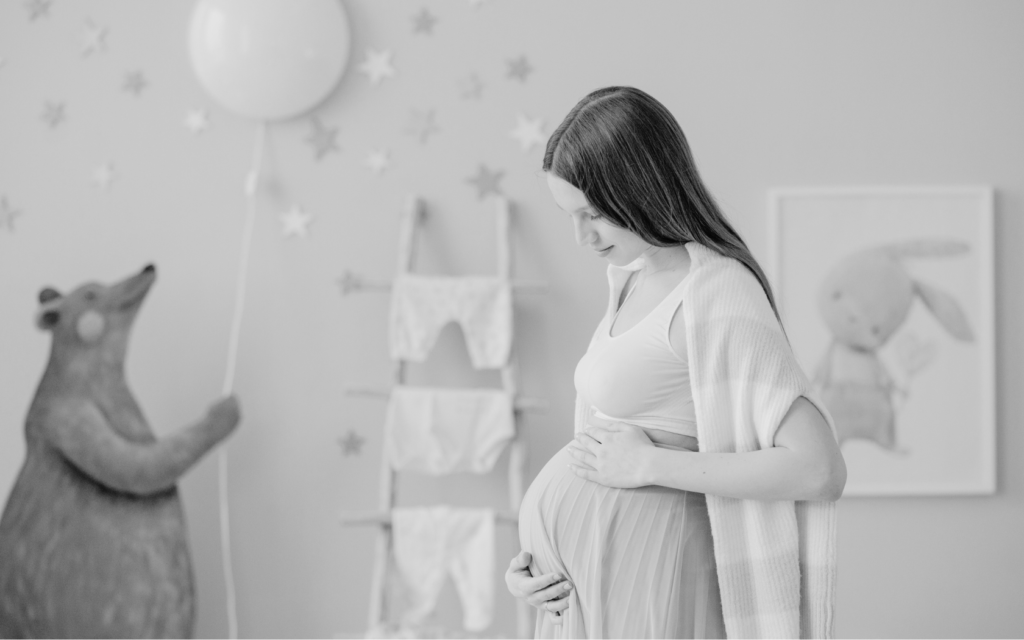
x=776 y=559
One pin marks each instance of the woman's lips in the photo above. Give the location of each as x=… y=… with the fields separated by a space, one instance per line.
x=604 y=252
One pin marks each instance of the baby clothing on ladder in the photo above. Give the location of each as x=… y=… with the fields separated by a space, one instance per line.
x=431 y=543
x=442 y=431
x=422 y=305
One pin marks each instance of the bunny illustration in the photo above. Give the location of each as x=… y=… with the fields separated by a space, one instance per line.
x=863 y=301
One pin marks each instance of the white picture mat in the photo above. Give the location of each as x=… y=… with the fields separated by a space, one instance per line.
x=948 y=420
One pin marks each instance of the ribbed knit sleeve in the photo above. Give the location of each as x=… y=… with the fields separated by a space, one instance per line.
x=776 y=559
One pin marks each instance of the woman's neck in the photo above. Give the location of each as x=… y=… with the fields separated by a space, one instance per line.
x=659 y=259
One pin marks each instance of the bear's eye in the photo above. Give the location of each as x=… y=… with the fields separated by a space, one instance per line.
x=90 y=296
x=837 y=295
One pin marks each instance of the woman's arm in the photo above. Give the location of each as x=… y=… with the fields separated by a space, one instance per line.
x=804 y=464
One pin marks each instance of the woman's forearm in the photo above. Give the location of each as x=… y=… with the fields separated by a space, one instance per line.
x=775 y=473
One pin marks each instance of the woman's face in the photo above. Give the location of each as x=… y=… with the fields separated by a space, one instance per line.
x=615 y=244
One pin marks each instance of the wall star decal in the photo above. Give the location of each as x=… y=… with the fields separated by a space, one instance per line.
x=519 y=68
x=423 y=22
x=323 y=139
x=54 y=114
x=103 y=176
x=486 y=181
x=377 y=66
x=94 y=39
x=134 y=82
x=7 y=214
x=38 y=9
x=422 y=125
x=528 y=132
x=352 y=443
x=295 y=222
x=377 y=161
x=197 y=121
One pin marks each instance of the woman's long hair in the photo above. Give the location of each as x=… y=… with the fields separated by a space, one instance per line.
x=627 y=154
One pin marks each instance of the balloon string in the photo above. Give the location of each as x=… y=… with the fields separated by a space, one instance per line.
x=251 y=185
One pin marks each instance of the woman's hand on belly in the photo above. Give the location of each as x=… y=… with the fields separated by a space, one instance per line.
x=545 y=592
x=614 y=454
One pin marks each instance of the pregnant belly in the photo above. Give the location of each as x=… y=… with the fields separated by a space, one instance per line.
x=643 y=546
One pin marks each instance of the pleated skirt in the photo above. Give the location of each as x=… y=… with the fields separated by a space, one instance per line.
x=641 y=560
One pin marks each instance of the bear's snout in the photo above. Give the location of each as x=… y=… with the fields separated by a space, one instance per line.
x=149 y=268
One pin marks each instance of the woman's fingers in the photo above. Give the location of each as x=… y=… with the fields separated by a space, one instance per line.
x=577 y=451
x=552 y=597
x=534 y=588
x=520 y=561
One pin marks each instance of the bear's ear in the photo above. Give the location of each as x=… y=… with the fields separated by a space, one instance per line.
x=48 y=294
x=47 y=318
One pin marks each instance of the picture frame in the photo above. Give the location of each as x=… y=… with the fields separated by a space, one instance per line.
x=887 y=297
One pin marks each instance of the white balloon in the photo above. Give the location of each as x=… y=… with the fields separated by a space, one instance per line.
x=269 y=59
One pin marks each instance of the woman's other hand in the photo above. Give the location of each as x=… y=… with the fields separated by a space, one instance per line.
x=545 y=592
x=613 y=454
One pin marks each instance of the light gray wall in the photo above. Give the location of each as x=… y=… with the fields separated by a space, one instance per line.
x=770 y=94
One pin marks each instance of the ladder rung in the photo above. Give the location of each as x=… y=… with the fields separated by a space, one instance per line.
x=520 y=404
x=383 y=518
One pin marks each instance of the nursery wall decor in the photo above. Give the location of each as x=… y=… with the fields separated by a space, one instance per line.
x=93 y=541
x=887 y=296
x=265 y=60
x=419 y=547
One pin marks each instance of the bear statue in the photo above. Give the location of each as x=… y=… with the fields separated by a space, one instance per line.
x=93 y=541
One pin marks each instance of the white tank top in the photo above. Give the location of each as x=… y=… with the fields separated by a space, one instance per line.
x=636 y=376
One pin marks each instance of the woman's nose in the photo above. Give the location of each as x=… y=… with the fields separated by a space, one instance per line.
x=585 y=234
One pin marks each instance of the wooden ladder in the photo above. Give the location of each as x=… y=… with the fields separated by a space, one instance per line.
x=412 y=216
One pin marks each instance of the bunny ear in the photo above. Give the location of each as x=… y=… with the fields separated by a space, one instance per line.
x=946 y=310
x=927 y=248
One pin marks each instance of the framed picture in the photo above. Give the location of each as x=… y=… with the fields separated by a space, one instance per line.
x=886 y=294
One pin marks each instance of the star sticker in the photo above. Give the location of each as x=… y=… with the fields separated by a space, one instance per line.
x=135 y=82
x=103 y=175
x=197 y=121
x=94 y=40
x=423 y=22
x=53 y=114
x=295 y=221
x=7 y=214
x=519 y=68
x=38 y=8
x=472 y=87
x=422 y=124
x=486 y=181
x=377 y=65
x=349 y=282
x=377 y=161
x=528 y=132
x=352 y=443
x=322 y=138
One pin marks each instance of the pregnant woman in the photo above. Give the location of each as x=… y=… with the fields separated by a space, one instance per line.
x=697 y=499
